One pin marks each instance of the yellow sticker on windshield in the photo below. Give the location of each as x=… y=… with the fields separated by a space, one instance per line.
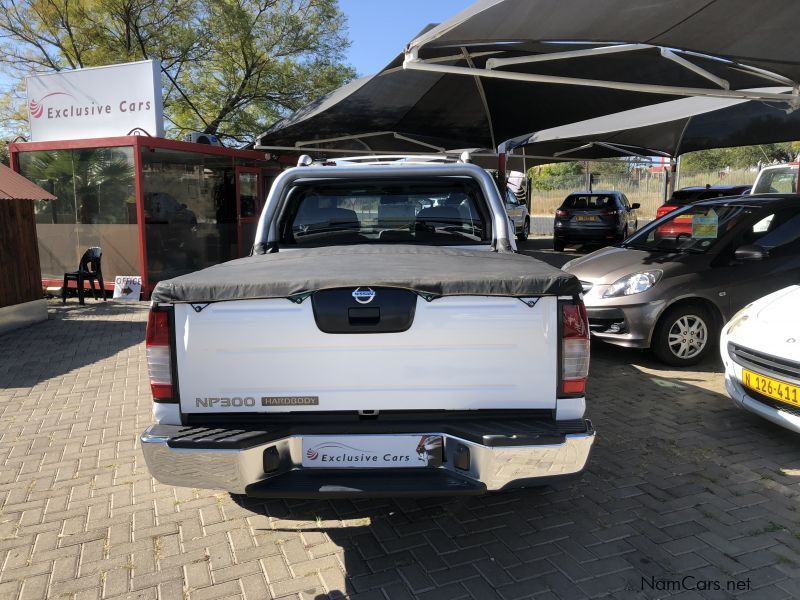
x=705 y=226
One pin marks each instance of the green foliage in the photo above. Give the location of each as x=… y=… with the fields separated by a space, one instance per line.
x=555 y=175
x=4 y=158
x=610 y=167
x=569 y=174
x=230 y=67
x=742 y=157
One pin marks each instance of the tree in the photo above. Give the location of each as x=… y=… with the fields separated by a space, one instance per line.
x=230 y=67
x=742 y=157
x=556 y=175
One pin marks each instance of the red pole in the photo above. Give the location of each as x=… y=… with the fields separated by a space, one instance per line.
x=140 y=224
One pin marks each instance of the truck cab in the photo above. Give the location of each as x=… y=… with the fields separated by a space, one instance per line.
x=777 y=179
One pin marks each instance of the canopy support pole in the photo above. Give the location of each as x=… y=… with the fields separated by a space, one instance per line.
x=493 y=63
x=670 y=55
x=482 y=95
x=412 y=62
x=358 y=138
x=615 y=147
x=673 y=174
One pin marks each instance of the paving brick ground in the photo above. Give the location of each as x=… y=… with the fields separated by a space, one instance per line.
x=681 y=484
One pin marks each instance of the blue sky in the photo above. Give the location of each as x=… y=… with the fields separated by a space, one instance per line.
x=379 y=29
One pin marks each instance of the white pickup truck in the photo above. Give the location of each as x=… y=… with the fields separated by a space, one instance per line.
x=383 y=338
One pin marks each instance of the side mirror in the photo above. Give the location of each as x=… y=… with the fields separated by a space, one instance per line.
x=750 y=252
x=635 y=205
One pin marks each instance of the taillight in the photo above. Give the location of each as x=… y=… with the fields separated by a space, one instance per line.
x=562 y=214
x=574 y=348
x=159 y=361
x=662 y=210
x=609 y=213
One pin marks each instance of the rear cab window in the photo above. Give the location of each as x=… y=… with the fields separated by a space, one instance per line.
x=589 y=202
x=433 y=211
x=782 y=180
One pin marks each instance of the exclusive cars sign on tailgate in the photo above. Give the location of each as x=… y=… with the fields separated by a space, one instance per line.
x=96 y=102
x=372 y=451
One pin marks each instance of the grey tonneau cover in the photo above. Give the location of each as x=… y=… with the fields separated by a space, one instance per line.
x=428 y=270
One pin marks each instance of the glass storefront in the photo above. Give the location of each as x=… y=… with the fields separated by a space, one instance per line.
x=95 y=206
x=190 y=211
x=188 y=218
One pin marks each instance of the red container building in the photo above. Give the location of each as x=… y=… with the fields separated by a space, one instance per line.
x=158 y=208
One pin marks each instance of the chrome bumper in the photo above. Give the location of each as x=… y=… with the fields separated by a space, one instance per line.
x=496 y=467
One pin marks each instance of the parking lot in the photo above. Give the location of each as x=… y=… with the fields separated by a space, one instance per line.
x=685 y=496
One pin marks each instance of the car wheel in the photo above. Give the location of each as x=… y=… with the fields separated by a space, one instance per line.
x=624 y=233
x=684 y=335
x=525 y=231
x=558 y=245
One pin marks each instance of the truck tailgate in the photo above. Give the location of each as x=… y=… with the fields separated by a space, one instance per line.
x=460 y=353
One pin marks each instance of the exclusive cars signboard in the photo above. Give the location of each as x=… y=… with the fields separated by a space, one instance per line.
x=96 y=102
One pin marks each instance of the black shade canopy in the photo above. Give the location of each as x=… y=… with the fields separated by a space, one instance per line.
x=760 y=33
x=671 y=128
x=506 y=67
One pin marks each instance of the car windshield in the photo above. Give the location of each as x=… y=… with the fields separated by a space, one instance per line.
x=681 y=197
x=697 y=229
x=779 y=180
x=588 y=202
x=437 y=211
x=687 y=196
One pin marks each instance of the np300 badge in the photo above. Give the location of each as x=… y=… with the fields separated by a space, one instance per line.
x=364 y=295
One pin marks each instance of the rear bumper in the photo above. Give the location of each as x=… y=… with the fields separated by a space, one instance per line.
x=591 y=232
x=262 y=464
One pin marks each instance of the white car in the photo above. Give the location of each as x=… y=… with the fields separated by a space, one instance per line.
x=760 y=347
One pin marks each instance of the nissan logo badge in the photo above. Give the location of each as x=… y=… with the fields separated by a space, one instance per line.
x=363 y=295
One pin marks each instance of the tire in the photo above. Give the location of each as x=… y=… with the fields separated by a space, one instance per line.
x=525 y=231
x=690 y=329
x=558 y=245
x=624 y=233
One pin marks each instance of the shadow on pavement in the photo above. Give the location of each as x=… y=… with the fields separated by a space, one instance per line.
x=74 y=336
x=680 y=483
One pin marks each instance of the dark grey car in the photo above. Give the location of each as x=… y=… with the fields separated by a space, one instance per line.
x=594 y=217
x=674 y=284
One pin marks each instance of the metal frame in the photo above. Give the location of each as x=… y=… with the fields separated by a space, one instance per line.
x=359 y=137
x=621 y=148
x=240 y=220
x=415 y=63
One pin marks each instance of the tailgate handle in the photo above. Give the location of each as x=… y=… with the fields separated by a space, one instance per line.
x=364 y=316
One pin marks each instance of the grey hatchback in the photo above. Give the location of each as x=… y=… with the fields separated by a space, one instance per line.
x=594 y=217
x=674 y=284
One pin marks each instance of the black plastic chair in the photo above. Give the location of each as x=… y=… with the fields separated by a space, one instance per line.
x=88 y=270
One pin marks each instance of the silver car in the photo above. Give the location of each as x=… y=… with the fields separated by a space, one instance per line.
x=672 y=285
x=518 y=213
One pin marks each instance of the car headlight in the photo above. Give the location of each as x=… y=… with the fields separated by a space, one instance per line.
x=738 y=319
x=633 y=284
